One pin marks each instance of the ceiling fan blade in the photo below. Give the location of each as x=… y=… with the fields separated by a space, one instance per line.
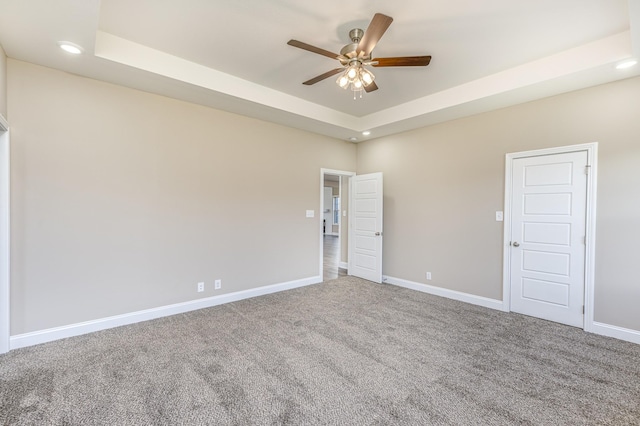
x=371 y=87
x=402 y=61
x=310 y=48
x=323 y=76
x=374 y=32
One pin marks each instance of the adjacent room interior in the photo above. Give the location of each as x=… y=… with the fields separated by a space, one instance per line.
x=469 y=193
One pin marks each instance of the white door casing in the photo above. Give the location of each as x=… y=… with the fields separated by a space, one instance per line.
x=548 y=264
x=4 y=236
x=365 y=227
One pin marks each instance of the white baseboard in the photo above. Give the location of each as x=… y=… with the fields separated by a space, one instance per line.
x=48 y=335
x=616 y=332
x=621 y=333
x=443 y=292
x=51 y=334
x=343 y=265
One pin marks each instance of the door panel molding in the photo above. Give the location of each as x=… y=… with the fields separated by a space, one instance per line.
x=589 y=267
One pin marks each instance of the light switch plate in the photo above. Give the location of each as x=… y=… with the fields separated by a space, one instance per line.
x=499 y=216
x=344 y=213
x=310 y=213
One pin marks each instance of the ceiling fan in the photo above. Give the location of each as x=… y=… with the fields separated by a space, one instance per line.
x=356 y=55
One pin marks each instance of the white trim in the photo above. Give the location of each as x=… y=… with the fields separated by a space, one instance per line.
x=621 y=333
x=602 y=329
x=332 y=234
x=443 y=292
x=590 y=227
x=324 y=172
x=343 y=265
x=590 y=235
x=48 y=335
x=5 y=228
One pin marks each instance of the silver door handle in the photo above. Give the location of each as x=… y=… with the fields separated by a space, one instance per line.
x=516 y=244
x=377 y=234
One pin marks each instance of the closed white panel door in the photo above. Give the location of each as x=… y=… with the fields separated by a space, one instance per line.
x=548 y=236
x=365 y=239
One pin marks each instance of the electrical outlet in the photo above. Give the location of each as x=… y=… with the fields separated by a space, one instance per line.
x=428 y=275
x=200 y=287
x=218 y=284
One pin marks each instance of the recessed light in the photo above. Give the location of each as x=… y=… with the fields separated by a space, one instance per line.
x=626 y=64
x=69 y=47
x=366 y=133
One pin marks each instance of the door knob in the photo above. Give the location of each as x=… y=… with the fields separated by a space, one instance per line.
x=516 y=244
x=377 y=234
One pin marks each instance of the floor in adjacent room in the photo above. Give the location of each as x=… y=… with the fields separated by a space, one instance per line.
x=331 y=258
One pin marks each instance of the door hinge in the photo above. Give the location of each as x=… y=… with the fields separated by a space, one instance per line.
x=587 y=168
x=584 y=239
x=582 y=309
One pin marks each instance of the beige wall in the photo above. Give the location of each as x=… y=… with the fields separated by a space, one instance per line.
x=3 y=83
x=124 y=200
x=443 y=184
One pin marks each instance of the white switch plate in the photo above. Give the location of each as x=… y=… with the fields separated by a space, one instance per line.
x=200 y=287
x=428 y=275
x=310 y=213
x=344 y=213
x=218 y=284
x=499 y=216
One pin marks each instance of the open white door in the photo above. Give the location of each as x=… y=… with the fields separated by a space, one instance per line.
x=365 y=227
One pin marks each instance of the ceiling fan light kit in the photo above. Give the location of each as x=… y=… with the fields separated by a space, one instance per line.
x=356 y=77
x=356 y=55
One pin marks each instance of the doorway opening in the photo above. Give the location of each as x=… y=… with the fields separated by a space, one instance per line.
x=334 y=223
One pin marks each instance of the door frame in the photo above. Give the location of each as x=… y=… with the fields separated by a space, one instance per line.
x=5 y=305
x=590 y=224
x=341 y=173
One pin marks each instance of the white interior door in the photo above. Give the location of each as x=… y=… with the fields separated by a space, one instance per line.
x=548 y=217
x=365 y=225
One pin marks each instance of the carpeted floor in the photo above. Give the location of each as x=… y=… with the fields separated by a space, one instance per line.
x=346 y=352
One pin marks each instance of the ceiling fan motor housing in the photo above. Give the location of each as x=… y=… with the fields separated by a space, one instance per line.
x=349 y=50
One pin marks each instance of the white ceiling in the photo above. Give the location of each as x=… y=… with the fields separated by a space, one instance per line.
x=233 y=55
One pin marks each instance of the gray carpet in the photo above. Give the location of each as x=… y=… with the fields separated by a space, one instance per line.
x=343 y=352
